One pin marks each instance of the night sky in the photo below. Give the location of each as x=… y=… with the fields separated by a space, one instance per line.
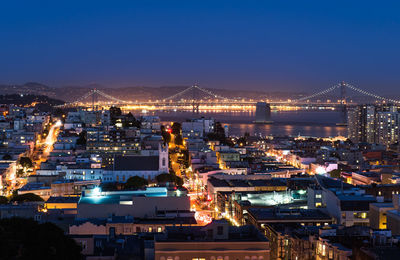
x=247 y=44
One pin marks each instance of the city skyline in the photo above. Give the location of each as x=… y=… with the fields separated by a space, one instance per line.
x=199 y=130
x=235 y=45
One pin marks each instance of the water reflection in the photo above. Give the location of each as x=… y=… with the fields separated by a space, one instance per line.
x=307 y=123
x=286 y=129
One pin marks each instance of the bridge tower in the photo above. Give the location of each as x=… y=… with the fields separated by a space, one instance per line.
x=94 y=99
x=195 y=102
x=343 y=104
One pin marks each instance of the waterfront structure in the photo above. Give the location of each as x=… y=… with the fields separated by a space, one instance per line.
x=263 y=113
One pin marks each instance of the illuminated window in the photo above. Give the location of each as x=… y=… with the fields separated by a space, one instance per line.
x=150 y=229
x=318 y=204
x=159 y=229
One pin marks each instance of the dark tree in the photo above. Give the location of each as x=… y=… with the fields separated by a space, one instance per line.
x=135 y=182
x=186 y=157
x=3 y=200
x=25 y=162
x=26 y=239
x=168 y=177
x=7 y=157
x=165 y=135
x=219 y=135
x=82 y=138
x=111 y=186
x=335 y=173
x=178 y=140
x=27 y=197
x=130 y=121
x=176 y=128
x=114 y=113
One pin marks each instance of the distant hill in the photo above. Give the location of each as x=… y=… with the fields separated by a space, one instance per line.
x=71 y=93
x=40 y=102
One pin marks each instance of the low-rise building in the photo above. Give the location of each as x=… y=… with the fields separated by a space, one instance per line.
x=138 y=204
x=216 y=241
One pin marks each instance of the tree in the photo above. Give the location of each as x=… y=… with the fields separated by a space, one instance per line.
x=168 y=177
x=25 y=162
x=7 y=157
x=82 y=138
x=178 y=140
x=176 y=128
x=3 y=200
x=165 y=135
x=23 y=238
x=130 y=121
x=27 y=197
x=335 y=173
x=109 y=186
x=219 y=135
x=135 y=182
x=242 y=141
x=115 y=111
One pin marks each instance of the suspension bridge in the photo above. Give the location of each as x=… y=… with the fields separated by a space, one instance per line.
x=195 y=97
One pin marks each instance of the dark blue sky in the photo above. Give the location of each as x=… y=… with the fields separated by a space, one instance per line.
x=247 y=44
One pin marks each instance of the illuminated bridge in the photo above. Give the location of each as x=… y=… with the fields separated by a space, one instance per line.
x=196 y=97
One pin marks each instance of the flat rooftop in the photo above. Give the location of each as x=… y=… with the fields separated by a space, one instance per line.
x=199 y=233
x=118 y=197
x=271 y=214
x=246 y=183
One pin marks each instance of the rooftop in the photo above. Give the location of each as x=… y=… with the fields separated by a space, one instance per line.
x=200 y=233
x=63 y=200
x=246 y=183
x=135 y=163
x=119 y=197
x=271 y=214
